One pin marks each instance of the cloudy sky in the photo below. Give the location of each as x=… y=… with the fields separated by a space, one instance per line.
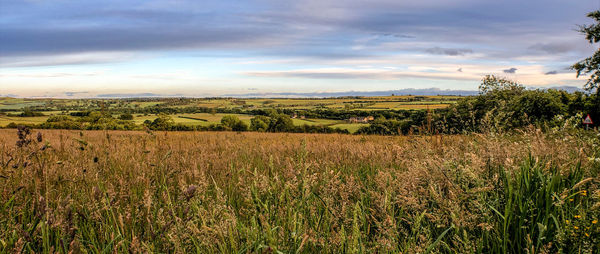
x=80 y=48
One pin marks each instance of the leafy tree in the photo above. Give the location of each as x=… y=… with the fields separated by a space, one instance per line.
x=29 y=113
x=95 y=116
x=260 y=123
x=162 y=122
x=233 y=123
x=504 y=105
x=492 y=85
x=282 y=123
x=381 y=126
x=592 y=63
x=126 y=116
x=536 y=106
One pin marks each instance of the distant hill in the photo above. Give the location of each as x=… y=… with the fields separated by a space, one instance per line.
x=409 y=91
x=568 y=89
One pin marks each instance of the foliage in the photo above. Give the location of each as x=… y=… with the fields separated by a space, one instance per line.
x=499 y=87
x=162 y=122
x=281 y=123
x=126 y=116
x=381 y=126
x=591 y=65
x=504 y=105
x=534 y=209
x=501 y=105
x=260 y=123
x=231 y=122
x=27 y=113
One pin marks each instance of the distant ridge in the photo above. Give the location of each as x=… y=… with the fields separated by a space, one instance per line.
x=130 y=95
x=408 y=91
x=568 y=89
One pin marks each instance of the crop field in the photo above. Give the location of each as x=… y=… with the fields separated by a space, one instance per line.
x=194 y=119
x=145 y=109
x=11 y=107
x=203 y=119
x=5 y=120
x=351 y=127
x=227 y=192
x=15 y=103
x=382 y=102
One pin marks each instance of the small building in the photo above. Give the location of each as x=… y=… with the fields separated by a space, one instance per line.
x=361 y=119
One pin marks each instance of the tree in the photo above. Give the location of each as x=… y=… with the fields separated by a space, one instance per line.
x=592 y=63
x=260 y=123
x=126 y=116
x=233 y=123
x=162 y=122
x=282 y=123
x=492 y=84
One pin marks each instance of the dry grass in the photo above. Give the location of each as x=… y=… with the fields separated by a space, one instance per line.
x=258 y=192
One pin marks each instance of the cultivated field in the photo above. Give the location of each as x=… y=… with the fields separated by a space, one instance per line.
x=62 y=107
x=374 y=102
x=227 y=192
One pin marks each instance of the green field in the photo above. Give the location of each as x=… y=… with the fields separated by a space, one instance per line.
x=201 y=119
x=351 y=127
x=194 y=119
x=50 y=107
x=380 y=102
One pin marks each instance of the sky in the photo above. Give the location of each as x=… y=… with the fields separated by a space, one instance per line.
x=85 y=48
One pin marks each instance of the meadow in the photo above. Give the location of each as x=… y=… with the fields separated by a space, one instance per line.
x=195 y=112
x=358 y=103
x=225 y=192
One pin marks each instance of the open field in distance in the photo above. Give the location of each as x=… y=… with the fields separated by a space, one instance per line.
x=10 y=107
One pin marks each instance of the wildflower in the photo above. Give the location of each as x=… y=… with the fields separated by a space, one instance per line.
x=575 y=227
x=594 y=221
x=23 y=133
x=567 y=221
x=584 y=193
x=190 y=191
x=577 y=216
x=570 y=200
x=97 y=194
x=74 y=246
x=586 y=234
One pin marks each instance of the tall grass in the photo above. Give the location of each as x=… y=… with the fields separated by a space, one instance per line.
x=532 y=208
x=297 y=193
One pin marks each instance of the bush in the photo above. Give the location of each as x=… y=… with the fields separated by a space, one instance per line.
x=126 y=116
x=27 y=113
x=233 y=123
x=382 y=126
x=281 y=123
x=162 y=122
x=260 y=123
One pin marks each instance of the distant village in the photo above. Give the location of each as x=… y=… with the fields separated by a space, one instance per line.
x=361 y=119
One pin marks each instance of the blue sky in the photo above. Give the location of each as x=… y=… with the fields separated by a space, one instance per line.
x=208 y=48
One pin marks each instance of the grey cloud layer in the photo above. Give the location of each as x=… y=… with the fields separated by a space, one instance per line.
x=448 y=51
x=308 y=28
